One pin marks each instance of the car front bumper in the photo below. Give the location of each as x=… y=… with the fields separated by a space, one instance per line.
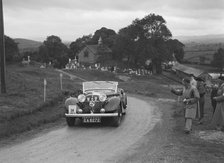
x=92 y=115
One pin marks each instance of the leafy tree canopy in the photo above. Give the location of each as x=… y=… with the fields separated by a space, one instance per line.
x=77 y=45
x=53 y=50
x=11 y=50
x=218 y=59
x=146 y=39
x=152 y=27
x=107 y=35
x=143 y=39
x=176 y=47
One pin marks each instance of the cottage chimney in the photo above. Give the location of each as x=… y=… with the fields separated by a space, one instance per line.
x=100 y=41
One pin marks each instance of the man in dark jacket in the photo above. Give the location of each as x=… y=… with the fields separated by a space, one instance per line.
x=214 y=94
x=202 y=90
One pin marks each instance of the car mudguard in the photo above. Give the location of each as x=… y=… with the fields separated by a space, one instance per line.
x=113 y=104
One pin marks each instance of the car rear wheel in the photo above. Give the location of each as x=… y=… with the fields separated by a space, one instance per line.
x=70 y=121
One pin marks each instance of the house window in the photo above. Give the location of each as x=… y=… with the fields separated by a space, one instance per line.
x=86 y=54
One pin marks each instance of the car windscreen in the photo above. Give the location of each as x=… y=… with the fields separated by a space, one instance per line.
x=100 y=85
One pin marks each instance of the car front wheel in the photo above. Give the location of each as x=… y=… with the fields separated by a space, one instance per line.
x=70 y=121
x=117 y=120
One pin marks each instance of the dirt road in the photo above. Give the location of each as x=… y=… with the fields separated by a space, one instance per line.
x=86 y=143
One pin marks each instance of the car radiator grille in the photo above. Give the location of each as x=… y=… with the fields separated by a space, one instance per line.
x=95 y=109
x=97 y=104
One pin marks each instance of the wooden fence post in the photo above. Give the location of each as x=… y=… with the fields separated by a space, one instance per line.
x=45 y=85
x=61 y=76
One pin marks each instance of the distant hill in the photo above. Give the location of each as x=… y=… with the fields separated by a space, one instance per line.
x=25 y=45
x=203 y=39
x=201 y=49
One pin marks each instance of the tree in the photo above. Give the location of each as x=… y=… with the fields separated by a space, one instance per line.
x=176 y=47
x=53 y=50
x=107 y=35
x=123 y=47
x=11 y=50
x=218 y=59
x=77 y=45
x=153 y=29
x=144 y=39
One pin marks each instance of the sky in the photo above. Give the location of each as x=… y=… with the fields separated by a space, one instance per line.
x=71 y=19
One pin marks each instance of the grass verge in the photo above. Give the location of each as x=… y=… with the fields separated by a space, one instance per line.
x=22 y=107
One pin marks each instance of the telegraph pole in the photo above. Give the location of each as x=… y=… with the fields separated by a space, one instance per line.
x=2 y=50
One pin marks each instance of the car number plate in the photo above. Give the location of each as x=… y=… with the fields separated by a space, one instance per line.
x=91 y=119
x=72 y=109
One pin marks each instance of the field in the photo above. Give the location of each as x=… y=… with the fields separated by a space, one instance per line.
x=200 y=53
x=25 y=97
x=25 y=45
x=93 y=74
x=206 y=68
x=204 y=57
x=144 y=85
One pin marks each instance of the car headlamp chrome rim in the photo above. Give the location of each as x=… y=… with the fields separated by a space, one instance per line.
x=102 y=97
x=81 y=98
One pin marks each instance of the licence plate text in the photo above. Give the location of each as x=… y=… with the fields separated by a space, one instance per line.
x=91 y=119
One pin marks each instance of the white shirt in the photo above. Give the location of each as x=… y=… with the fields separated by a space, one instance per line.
x=193 y=82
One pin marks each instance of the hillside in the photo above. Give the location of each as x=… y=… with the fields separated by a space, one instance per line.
x=201 y=53
x=200 y=49
x=25 y=45
x=203 y=39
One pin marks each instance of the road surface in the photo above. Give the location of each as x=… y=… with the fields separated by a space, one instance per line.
x=86 y=143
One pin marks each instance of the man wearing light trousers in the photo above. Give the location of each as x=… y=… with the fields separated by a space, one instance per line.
x=190 y=96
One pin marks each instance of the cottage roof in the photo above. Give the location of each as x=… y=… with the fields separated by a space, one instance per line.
x=188 y=70
x=94 y=48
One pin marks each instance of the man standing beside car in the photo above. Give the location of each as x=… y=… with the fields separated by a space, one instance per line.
x=190 y=97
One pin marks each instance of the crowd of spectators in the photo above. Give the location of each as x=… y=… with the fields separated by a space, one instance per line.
x=193 y=99
x=114 y=69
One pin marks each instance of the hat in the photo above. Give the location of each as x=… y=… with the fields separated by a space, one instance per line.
x=199 y=79
x=186 y=80
x=221 y=78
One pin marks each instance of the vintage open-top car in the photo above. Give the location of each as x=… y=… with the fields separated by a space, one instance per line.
x=98 y=100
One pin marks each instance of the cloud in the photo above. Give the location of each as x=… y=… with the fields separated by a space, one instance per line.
x=115 y=4
x=70 y=19
x=69 y=24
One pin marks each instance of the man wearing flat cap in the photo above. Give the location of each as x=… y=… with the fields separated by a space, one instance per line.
x=190 y=97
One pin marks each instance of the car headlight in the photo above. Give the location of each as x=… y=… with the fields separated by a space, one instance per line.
x=81 y=98
x=102 y=97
